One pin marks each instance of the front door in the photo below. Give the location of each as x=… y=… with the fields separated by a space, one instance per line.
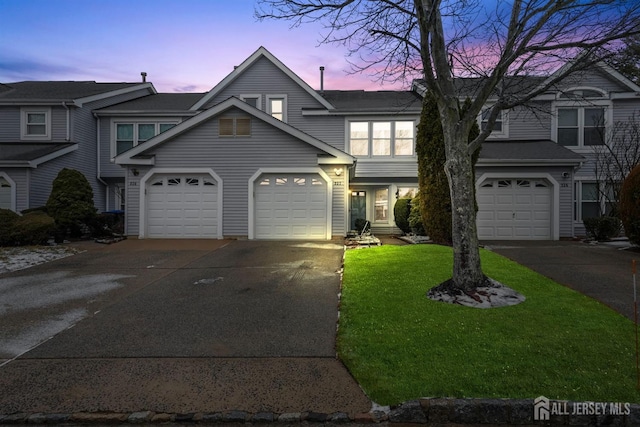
x=358 y=207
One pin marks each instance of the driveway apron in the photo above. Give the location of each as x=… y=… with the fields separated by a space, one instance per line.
x=600 y=271
x=184 y=326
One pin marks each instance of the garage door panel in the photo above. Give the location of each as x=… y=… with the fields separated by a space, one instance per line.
x=290 y=207
x=182 y=206
x=514 y=209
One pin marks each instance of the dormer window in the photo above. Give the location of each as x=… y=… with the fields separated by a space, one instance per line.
x=36 y=123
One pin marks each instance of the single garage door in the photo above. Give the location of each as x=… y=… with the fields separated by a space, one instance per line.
x=182 y=206
x=514 y=209
x=290 y=206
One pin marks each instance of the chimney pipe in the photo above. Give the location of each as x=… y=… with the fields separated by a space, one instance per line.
x=321 y=78
x=144 y=77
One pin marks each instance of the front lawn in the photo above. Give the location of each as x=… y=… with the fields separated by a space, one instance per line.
x=399 y=345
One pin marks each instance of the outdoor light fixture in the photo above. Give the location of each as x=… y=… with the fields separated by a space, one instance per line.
x=338 y=171
x=135 y=172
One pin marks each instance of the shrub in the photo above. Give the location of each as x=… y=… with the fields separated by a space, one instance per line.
x=33 y=228
x=7 y=220
x=415 y=217
x=602 y=228
x=71 y=202
x=629 y=205
x=401 y=212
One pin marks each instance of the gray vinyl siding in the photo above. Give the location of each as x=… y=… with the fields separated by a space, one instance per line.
x=565 y=210
x=329 y=129
x=9 y=124
x=338 y=205
x=264 y=78
x=532 y=122
x=234 y=159
x=21 y=179
x=594 y=77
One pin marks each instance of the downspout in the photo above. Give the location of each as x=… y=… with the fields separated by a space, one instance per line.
x=98 y=171
x=64 y=104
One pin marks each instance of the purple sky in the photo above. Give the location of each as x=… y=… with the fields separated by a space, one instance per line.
x=183 y=45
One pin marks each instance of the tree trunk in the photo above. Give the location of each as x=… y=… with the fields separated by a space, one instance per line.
x=467 y=270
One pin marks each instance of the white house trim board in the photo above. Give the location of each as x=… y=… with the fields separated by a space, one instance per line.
x=157 y=171
x=555 y=199
x=293 y=170
x=261 y=52
x=128 y=156
x=80 y=101
x=12 y=183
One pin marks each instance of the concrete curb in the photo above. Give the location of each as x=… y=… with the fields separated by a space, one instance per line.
x=434 y=411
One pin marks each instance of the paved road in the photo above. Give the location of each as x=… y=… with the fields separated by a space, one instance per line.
x=176 y=326
x=601 y=271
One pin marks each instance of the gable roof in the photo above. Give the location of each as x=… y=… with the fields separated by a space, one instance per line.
x=52 y=92
x=260 y=53
x=179 y=103
x=136 y=154
x=527 y=152
x=384 y=101
x=31 y=154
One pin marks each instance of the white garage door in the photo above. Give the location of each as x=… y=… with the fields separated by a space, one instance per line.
x=513 y=209
x=290 y=206
x=5 y=194
x=182 y=206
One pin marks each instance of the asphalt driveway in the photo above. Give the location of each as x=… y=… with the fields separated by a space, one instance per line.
x=177 y=326
x=601 y=271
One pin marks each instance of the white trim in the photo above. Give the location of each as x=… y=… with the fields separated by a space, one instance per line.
x=12 y=183
x=142 y=232
x=581 y=105
x=261 y=52
x=392 y=120
x=80 y=101
x=555 y=200
x=292 y=170
x=285 y=103
x=24 y=113
x=339 y=157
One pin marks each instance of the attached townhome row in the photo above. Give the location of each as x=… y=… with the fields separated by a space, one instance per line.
x=262 y=155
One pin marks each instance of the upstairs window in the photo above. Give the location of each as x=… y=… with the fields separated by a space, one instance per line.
x=581 y=126
x=36 y=123
x=128 y=135
x=252 y=99
x=500 y=127
x=277 y=106
x=382 y=138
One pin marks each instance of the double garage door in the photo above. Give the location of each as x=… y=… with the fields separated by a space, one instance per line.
x=513 y=209
x=286 y=206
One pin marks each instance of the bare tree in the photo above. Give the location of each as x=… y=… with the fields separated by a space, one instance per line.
x=614 y=159
x=491 y=41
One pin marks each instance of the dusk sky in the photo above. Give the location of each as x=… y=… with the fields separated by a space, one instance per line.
x=183 y=45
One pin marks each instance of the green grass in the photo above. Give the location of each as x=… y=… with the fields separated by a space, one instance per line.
x=399 y=345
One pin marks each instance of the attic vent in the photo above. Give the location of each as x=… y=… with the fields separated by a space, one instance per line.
x=239 y=126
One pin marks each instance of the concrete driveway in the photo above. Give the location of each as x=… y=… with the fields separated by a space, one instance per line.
x=176 y=326
x=602 y=271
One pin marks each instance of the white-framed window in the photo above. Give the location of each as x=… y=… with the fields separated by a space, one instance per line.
x=381 y=205
x=36 y=123
x=581 y=117
x=501 y=125
x=234 y=126
x=253 y=99
x=129 y=134
x=590 y=202
x=382 y=138
x=277 y=106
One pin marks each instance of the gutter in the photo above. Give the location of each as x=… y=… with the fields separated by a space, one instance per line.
x=98 y=171
x=64 y=104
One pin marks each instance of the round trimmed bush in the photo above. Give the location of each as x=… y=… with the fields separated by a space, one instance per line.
x=33 y=228
x=71 y=201
x=401 y=211
x=629 y=205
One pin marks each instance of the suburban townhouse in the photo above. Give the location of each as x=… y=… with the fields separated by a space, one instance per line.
x=263 y=155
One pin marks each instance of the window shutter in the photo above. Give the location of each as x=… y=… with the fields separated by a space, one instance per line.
x=226 y=127
x=243 y=127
